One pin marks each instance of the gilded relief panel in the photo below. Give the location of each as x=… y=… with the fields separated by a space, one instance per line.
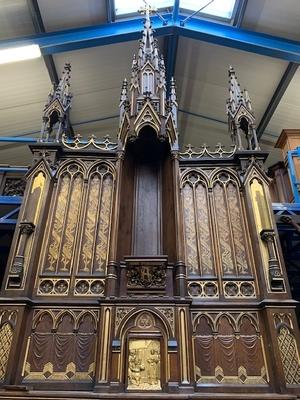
x=144 y=370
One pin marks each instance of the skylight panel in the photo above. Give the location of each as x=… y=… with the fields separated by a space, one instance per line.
x=123 y=7
x=218 y=8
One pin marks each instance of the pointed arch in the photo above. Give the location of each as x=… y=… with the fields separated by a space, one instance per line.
x=228 y=205
x=64 y=218
x=96 y=221
x=197 y=223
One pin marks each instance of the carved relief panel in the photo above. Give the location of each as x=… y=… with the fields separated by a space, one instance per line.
x=228 y=348
x=61 y=346
x=144 y=364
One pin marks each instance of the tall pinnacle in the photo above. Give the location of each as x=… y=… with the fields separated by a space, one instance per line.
x=144 y=102
x=147 y=44
x=56 y=111
x=241 y=120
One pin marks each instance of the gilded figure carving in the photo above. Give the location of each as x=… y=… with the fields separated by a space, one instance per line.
x=144 y=365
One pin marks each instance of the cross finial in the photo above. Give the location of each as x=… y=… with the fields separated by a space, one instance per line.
x=147 y=9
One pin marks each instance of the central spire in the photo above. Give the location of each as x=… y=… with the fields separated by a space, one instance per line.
x=144 y=102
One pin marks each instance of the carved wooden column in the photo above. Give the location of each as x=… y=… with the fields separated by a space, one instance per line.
x=180 y=268
x=112 y=267
x=16 y=270
x=268 y=236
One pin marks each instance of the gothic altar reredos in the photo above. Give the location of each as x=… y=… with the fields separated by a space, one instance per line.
x=140 y=267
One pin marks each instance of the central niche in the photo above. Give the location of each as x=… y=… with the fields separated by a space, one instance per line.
x=144 y=371
x=147 y=198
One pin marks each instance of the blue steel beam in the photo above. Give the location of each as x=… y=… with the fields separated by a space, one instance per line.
x=241 y=39
x=80 y=38
x=195 y=28
x=277 y=96
x=8 y=200
x=17 y=139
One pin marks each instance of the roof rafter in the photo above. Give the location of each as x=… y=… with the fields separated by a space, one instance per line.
x=277 y=96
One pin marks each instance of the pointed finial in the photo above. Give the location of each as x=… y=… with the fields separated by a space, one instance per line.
x=146 y=10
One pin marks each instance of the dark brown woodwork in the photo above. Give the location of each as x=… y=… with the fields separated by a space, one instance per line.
x=141 y=271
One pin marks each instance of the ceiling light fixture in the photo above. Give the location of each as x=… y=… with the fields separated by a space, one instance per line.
x=13 y=54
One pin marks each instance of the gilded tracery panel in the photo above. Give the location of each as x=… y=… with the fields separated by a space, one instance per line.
x=64 y=220
x=231 y=231
x=96 y=228
x=197 y=225
x=214 y=224
x=79 y=220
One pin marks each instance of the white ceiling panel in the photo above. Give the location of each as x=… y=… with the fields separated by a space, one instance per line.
x=15 y=154
x=276 y=17
x=15 y=19
x=287 y=114
x=67 y=14
x=98 y=128
x=23 y=96
x=96 y=79
x=202 y=77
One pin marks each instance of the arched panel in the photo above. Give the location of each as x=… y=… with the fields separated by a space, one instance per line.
x=225 y=354
x=94 y=245
x=231 y=226
x=197 y=225
x=64 y=220
x=61 y=347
